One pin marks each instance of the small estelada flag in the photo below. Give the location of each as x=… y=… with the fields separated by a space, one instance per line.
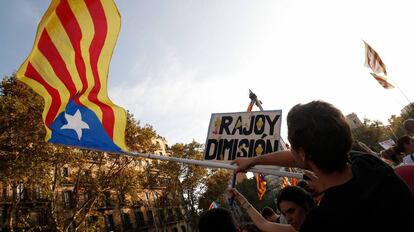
x=261 y=185
x=373 y=60
x=213 y=205
x=382 y=81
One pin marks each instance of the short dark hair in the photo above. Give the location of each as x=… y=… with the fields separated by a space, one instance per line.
x=250 y=227
x=407 y=124
x=267 y=212
x=322 y=131
x=401 y=142
x=217 y=219
x=296 y=195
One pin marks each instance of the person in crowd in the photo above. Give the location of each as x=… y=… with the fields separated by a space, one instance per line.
x=295 y=203
x=269 y=214
x=249 y=227
x=316 y=196
x=406 y=173
x=262 y=223
x=408 y=125
x=390 y=157
x=405 y=147
x=218 y=220
x=353 y=184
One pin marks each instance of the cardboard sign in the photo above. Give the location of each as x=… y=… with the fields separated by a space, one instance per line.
x=242 y=134
x=387 y=143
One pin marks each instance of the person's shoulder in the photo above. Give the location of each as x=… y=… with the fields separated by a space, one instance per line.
x=368 y=161
x=325 y=219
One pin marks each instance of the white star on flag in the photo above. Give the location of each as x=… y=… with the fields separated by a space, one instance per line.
x=75 y=123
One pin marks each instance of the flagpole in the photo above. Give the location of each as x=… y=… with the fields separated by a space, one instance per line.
x=405 y=96
x=214 y=164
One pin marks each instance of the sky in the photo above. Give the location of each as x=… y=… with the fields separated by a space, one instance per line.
x=177 y=62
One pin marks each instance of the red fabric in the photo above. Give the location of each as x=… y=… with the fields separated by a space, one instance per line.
x=406 y=173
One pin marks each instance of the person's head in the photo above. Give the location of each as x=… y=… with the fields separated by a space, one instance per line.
x=318 y=132
x=409 y=125
x=391 y=156
x=249 y=227
x=405 y=145
x=217 y=219
x=295 y=203
x=269 y=214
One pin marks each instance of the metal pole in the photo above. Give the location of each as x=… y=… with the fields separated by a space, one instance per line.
x=213 y=164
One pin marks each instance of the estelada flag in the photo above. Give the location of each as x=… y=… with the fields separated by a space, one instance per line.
x=213 y=205
x=382 y=81
x=373 y=60
x=68 y=66
x=285 y=182
x=261 y=185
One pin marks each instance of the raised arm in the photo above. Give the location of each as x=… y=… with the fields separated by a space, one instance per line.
x=257 y=218
x=278 y=158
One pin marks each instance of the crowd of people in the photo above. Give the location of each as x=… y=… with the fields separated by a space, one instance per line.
x=357 y=189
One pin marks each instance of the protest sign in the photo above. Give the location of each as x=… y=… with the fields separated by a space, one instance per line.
x=242 y=134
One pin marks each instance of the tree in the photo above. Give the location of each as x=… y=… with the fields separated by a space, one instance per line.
x=24 y=154
x=216 y=187
x=248 y=188
x=28 y=163
x=182 y=181
x=370 y=133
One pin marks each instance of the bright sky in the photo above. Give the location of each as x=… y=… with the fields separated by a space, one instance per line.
x=177 y=62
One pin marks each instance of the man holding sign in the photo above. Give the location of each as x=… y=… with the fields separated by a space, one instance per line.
x=354 y=184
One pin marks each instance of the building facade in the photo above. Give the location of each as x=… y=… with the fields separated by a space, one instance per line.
x=147 y=209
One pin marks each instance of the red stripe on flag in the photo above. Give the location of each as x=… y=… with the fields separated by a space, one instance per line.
x=54 y=107
x=48 y=49
x=100 y=25
x=73 y=30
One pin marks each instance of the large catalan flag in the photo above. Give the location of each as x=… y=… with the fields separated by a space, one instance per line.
x=68 y=66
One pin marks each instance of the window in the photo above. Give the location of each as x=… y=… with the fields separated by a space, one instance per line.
x=156 y=199
x=161 y=215
x=147 y=199
x=109 y=223
x=179 y=214
x=87 y=195
x=126 y=221
x=92 y=220
x=42 y=219
x=107 y=199
x=20 y=192
x=67 y=199
x=38 y=193
x=65 y=172
x=170 y=215
x=150 y=217
x=139 y=218
x=122 y=199
x=87 y=173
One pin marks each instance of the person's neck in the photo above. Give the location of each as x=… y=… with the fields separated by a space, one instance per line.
x=334 y=179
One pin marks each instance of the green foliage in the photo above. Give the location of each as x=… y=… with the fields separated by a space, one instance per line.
x=248 y=188
x=216 y=187
x=25 y=158
x=373 y=132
